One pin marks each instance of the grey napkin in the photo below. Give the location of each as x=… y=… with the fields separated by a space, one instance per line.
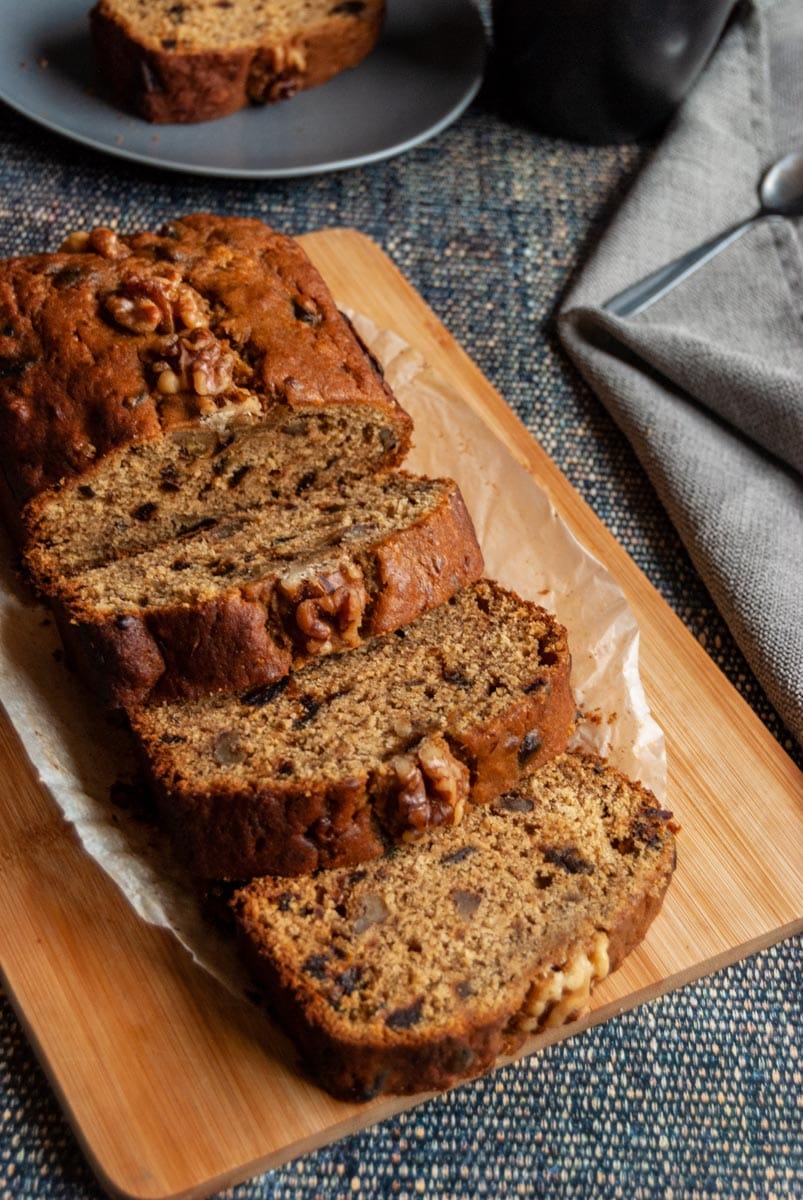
x=708 y=382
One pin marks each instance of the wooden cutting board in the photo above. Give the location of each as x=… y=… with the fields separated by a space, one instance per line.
x=175 y=1088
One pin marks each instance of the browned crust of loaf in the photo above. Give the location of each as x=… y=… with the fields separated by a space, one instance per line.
x=361 y=1069
x=74 y=387
x=293 y=831
x=240 y=639
x=270 y=830
x=171 y=86
x=530 y=733
x=286 y=828
x=176 y=651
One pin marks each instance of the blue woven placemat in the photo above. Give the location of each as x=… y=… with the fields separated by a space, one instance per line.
x=691 y=1095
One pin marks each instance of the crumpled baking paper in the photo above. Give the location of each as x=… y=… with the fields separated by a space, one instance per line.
x=79 y=753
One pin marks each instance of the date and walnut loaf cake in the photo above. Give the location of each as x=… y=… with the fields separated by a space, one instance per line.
x=253 y=595
x=419 y=969
x=200 y=457
x=357 y=750
x=152 y=382
x=203 y=59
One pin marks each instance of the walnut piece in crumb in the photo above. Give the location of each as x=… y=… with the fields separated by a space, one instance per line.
x=428 y=787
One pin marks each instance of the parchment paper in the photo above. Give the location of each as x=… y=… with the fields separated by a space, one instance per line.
x=79 y=752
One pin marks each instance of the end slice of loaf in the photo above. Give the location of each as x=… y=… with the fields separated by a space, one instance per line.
x=200 y=59
x=382 y=742
x=255 y=595
x=420 y=969
x=157 y=381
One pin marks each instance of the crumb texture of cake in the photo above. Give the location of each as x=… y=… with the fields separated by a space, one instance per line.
x=152 y=382
x=363 y=748
x=419 y=969
x=203 y=59
x=253 y=595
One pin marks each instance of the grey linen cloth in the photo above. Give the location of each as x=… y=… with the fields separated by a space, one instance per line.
x=708 y=382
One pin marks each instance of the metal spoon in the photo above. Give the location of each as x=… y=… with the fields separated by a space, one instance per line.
x=781 y=195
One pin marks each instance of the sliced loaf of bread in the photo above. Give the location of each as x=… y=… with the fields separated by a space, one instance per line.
x=420 y=969
x=382 y=742
x=156 y=381
x=203 y=59
x=255 y=594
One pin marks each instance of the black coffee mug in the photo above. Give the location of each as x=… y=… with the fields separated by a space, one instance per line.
x=601 y=70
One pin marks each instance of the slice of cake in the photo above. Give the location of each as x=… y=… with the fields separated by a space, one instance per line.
x=381 y=743
x=203 y=59
x=256 y=594
x=419 y=969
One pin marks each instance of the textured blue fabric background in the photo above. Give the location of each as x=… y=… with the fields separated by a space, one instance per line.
x=695 y=1094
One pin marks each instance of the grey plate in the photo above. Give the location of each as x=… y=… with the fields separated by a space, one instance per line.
x=425 y=71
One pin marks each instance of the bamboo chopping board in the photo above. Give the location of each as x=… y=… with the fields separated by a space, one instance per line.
x=176 y=1088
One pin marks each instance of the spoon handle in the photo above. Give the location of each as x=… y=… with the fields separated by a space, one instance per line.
x=638 y=296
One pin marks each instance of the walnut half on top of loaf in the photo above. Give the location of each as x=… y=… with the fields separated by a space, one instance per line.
x=203 y=59
x=419 y=969
x=154 y=381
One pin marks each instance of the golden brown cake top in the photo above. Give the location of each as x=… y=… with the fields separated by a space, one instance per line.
x=119 y=339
